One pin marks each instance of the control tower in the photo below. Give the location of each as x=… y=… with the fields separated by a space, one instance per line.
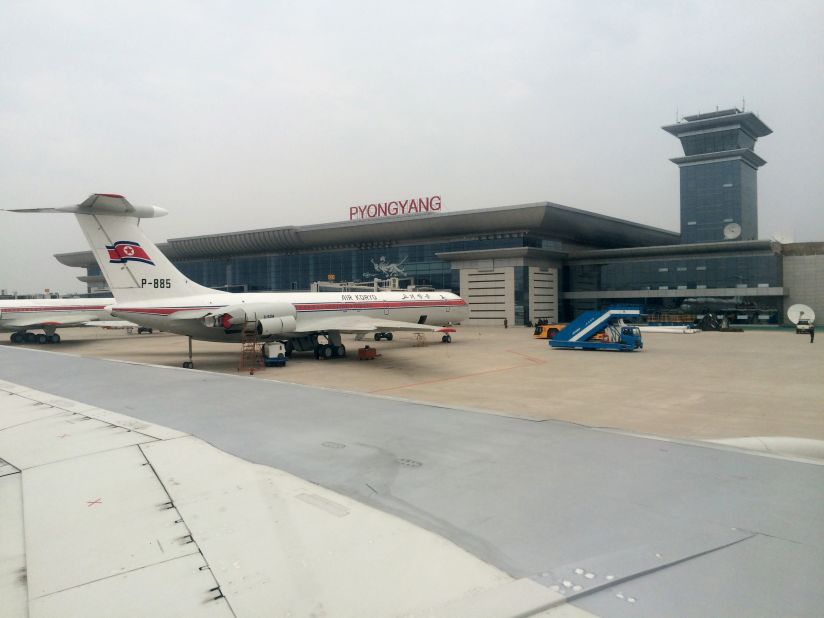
x=719 y=196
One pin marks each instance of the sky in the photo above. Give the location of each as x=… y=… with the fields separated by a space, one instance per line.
x=241 y=115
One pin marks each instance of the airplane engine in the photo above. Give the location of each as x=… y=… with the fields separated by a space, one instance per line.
x=266 y=318
x=276 y=326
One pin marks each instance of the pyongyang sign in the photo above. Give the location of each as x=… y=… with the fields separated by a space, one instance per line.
x=414 y=206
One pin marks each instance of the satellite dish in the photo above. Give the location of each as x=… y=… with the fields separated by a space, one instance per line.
x=732 y=231
x=799 y=312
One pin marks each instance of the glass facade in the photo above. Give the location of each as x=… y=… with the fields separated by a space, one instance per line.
x=714 y=195
x=716 y=142
x=297 y=271
x=688 y=281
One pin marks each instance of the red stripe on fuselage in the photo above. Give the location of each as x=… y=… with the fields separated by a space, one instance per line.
x=401 y=304
x=49 y=309
x=310 y=307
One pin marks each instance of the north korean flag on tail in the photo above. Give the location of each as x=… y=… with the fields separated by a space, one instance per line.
x=127 y=251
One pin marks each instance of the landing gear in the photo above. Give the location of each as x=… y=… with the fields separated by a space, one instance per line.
x=446 y=339
x=387 y=336
x=39 y=338
x=333 y=348
x=189 y=364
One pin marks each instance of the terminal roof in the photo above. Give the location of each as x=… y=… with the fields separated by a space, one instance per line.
x=542 y=219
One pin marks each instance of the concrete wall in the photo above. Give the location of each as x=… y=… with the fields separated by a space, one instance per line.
x=490 y=294
x=804 y=280
x=543 y=294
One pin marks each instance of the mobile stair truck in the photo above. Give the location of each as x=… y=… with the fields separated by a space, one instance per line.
x=581 y=333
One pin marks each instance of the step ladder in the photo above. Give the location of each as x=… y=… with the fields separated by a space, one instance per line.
x=251 y=351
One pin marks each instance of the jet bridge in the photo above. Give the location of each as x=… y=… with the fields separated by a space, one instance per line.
x=582 y=333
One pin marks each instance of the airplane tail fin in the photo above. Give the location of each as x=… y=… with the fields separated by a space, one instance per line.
x=133 y=266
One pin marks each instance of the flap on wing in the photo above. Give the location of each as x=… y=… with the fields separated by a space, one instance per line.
x=190 y=314
x=358 y=324
x=21 y=324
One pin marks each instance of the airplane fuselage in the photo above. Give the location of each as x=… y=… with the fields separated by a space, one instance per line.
x=430 y=308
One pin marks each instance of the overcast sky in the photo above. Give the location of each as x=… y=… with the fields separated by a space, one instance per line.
x=239 y=115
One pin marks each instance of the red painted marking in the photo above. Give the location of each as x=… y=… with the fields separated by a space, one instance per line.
x=93 y=502
x=336 y=306
x=109 y=195
x=51 y=309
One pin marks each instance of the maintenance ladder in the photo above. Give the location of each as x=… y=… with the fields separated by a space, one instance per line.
x=251 y=352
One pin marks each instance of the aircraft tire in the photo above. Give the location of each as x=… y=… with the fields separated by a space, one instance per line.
x=41 y=339
x=340 y=351
x=327 y=351
x=17 y=338
x=389 y=336
x=55 y=338
x=377 y=336
x=30 y=338
x=446 y=339
x=188 y=365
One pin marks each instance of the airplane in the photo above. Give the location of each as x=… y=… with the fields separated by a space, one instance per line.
x=149 y=290
x=24 y=315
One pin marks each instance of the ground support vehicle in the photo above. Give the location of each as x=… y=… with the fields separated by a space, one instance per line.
x=601 y=330
x=547 y=331
x=274 y=354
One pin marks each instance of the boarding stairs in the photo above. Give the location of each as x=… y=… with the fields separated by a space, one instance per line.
x=251 y=352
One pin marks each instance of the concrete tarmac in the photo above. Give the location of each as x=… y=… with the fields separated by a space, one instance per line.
x=701 y=386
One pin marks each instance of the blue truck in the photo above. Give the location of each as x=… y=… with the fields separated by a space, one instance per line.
x=601 y=330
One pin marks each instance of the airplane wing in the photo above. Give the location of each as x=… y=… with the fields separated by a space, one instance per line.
x=24 y=323
x=360 y=324
x=111 y=324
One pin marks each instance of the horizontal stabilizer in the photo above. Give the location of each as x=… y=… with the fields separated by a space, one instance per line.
x=102 y=204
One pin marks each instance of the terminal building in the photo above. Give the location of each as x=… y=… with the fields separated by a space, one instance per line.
x=544 y=260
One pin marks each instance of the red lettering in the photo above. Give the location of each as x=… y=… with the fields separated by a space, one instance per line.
x=396 y=207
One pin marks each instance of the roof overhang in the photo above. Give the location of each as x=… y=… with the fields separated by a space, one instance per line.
x=748 y=121
x=543 y=219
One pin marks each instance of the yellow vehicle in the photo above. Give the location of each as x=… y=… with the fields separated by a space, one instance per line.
x=547 y=331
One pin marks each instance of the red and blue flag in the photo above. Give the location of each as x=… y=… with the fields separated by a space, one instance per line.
x=127 y=251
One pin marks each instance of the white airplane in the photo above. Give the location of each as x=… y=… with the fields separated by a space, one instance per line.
x=149 y=290
x=21 y=316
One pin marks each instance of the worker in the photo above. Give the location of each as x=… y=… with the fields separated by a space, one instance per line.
x=812 y=333
x=506 y=323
